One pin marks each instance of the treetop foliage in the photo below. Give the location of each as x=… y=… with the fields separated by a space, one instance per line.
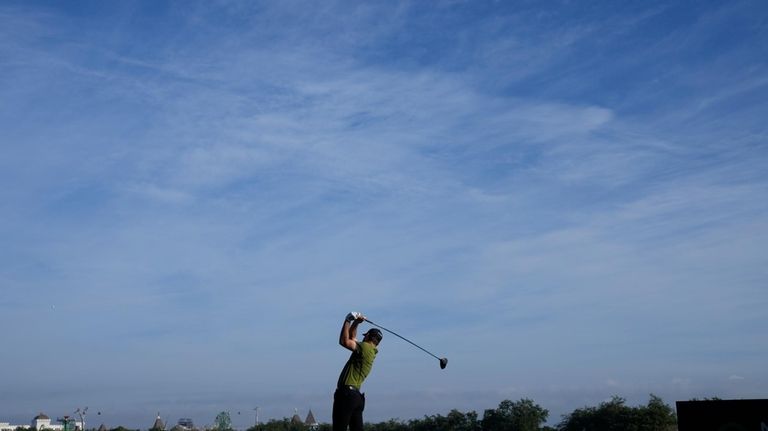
x=615 y=415
x=521 y=415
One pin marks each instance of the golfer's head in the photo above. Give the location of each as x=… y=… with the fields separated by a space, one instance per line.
x=373 y=335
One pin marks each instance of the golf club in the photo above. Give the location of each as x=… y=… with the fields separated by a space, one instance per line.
x=443 y=361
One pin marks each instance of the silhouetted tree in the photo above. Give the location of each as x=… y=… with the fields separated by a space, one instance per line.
x=523 y=415
x=223 y=422
x=283 y=424
x=455 y=421
x=614 y=415
x=390 y=425
x=656 y=415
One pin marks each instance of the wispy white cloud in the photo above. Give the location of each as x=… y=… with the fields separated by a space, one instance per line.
x=221 y=186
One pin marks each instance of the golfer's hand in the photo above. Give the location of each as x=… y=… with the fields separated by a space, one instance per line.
x=354 y=315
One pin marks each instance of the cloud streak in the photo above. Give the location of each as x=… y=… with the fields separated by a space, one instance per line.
x=191 y=181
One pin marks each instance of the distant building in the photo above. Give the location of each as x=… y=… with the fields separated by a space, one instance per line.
x=296 y=419
x=6 y=426
x=40 y=422
x=311 y=422
x=158 y=425
x=186 y=423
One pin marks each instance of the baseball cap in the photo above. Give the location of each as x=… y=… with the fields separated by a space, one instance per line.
x=374 y=333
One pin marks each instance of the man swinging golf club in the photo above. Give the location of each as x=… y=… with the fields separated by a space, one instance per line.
x=348 y=401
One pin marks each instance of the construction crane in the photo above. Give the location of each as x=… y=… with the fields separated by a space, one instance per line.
x=81 y=414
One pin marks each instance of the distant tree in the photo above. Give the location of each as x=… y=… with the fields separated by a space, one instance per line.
x=390 y=425
x=297 y=427
x=428 y=423
x=455 y=421
x=614 y=415
x=656 y=415
x=458 y=421
x=283 y=424
x=223 y=422
x=523 y=415
x=121 y=428
x=611 y=415
x=431 y=423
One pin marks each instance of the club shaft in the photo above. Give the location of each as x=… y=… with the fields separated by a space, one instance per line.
x=403 y=338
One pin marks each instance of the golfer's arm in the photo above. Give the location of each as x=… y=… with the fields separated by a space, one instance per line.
x=347 y=336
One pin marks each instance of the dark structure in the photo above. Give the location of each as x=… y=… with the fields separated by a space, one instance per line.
x=310 y=421
x=722 y=415
x=158 y=425
x=296 y=419
x=186 y=423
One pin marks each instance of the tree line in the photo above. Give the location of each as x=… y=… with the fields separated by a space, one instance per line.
x=523 y=415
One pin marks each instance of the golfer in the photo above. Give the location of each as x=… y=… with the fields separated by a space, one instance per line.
x=348 y=401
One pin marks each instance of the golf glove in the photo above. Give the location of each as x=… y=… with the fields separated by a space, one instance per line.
x=354 y=316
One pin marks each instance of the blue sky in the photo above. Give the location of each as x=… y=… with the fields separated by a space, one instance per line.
x=567 y=200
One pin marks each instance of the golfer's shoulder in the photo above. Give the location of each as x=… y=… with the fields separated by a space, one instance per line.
x=368 y=349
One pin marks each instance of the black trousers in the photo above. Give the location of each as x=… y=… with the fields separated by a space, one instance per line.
x=348 y=406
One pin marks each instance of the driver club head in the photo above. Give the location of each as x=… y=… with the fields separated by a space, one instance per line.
x=443 y=363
